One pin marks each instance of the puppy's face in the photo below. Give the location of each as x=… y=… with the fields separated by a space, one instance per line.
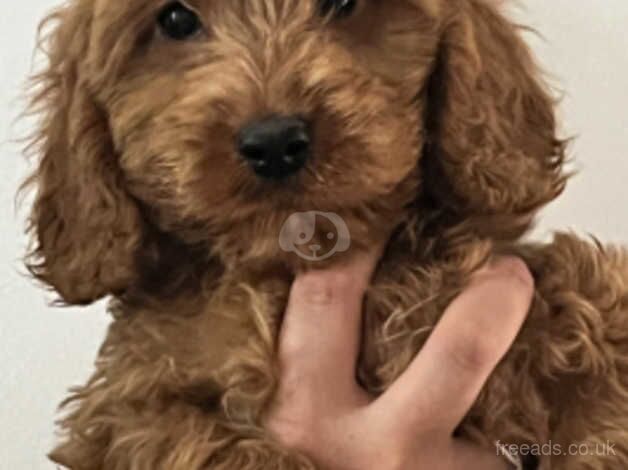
x=229 y=126
x=230 y=116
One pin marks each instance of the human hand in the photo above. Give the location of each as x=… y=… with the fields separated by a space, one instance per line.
x=321 y=410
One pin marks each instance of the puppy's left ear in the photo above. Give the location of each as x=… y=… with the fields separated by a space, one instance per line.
x=493 y=157
x=87 y=229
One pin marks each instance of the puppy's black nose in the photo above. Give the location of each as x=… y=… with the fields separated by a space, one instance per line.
x=275 y=147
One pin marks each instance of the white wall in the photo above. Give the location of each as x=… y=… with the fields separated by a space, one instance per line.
x=44 y=350
x=584 y=46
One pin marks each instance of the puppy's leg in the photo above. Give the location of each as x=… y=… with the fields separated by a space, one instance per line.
x=578 y=352
x=181 y=388
x=177 y=436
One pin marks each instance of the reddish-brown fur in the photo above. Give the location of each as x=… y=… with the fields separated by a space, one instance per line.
x=429 y=115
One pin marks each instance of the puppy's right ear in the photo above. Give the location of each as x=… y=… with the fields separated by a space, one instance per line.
x=86 y=228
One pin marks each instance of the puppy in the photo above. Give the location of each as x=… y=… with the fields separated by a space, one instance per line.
x=178 y=138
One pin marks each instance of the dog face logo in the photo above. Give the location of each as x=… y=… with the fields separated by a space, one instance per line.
x=299 y=235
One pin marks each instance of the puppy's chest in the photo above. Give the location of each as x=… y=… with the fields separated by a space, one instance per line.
x=401 y=309
x=225 y=347
x=405 y=301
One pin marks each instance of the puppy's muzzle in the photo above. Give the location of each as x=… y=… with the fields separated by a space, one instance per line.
x=275 y=147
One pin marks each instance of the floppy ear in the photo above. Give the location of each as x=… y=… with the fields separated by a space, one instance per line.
x=492 y=157
x=85 y=226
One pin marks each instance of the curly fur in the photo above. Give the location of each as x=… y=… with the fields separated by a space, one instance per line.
x=429 y=115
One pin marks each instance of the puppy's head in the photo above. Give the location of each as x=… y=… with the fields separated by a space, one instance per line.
x=205 y=125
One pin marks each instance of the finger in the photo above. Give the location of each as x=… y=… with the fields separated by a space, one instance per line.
x=322 y=324
x=475 y=332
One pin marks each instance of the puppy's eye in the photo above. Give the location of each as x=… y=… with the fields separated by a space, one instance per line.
x=178 y=22
x=338 y=8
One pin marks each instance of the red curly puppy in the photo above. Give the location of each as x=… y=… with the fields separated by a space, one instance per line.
x=176 y=140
